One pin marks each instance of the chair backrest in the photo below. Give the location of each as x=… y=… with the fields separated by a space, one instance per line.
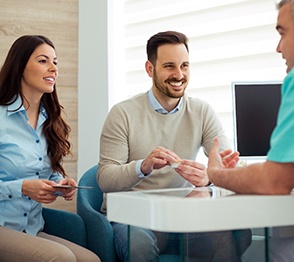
x=94 y=195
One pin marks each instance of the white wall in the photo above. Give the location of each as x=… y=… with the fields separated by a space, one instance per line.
x=92 y=80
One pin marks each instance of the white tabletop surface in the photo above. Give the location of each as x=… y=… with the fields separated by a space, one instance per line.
x=199 y=209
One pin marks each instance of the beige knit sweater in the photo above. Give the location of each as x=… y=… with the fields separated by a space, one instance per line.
x=133 y=129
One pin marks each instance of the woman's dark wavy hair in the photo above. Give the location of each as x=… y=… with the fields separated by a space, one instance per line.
x=162 y=38
x=55 y=129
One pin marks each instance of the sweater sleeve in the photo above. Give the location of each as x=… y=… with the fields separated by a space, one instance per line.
x=114 y=171
x=212 y=127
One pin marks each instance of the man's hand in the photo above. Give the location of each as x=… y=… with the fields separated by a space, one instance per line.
x=229 y=158
x=193 y=172
x=219 y=160
x=157 y=159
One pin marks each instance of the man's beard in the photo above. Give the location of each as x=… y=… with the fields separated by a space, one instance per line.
x=164 y=89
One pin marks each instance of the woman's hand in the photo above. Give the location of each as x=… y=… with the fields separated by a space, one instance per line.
x=40 y=190
x=68 y=193
x=43 y=191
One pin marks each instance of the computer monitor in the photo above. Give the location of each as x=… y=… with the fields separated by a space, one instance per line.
x=255 y=110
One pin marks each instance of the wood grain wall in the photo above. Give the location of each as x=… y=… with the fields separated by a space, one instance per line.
x=58 y=20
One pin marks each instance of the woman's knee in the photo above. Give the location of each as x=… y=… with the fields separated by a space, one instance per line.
x=87 y=256
x=60 y=253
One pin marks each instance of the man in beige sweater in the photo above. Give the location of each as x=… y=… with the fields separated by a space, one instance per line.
x=144 y=135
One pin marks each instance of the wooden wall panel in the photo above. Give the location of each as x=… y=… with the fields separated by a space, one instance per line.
x=58 y=20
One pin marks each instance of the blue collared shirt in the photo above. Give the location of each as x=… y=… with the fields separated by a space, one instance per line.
x=158 y=108
x=23 y=156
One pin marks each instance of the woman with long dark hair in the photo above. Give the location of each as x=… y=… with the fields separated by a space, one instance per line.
x=33 y=143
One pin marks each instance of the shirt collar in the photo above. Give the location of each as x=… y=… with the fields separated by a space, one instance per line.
x=158 y=107
x=43 y=110
x=17 y=107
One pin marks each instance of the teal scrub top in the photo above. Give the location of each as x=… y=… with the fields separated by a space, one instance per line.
x=282 y=138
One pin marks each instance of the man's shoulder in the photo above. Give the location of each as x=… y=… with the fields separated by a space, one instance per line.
x=130 y=105
x=289 y=77
x=137 y=99
x=195 y=102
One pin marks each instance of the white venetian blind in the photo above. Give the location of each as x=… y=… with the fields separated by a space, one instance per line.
x=229 y=40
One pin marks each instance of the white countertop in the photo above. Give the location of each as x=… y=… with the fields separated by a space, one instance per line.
x=210 y=209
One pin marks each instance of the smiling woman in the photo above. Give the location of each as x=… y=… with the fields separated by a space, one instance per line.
x=33 y=144
x=22 y=79
x=59 y=24
x=39 y=77
x=44 y=62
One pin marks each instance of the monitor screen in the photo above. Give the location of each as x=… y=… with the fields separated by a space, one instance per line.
x=255 y=110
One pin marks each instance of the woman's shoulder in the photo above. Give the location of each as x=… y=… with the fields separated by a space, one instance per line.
x=3 y=111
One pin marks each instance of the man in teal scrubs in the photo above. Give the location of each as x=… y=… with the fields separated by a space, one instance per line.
x=275 y=176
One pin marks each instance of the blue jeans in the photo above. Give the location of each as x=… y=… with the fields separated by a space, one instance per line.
x=147 y=245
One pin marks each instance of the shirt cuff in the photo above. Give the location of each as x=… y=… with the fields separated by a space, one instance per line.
x=138 y=169
x=11 y=190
